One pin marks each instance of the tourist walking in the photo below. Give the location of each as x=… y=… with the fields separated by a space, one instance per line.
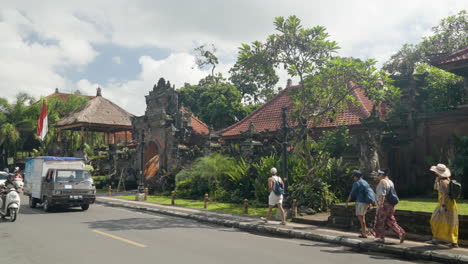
x=444 y=219
x=386 y=200
x=276 y=189
x=364 y=196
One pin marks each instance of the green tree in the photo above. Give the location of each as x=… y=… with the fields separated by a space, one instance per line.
x=420 y=83
x=450 y=35
x=330 y=91
x=254 y=74
x=216 y=104
x=438 y=90
x=301 y=51
x=205 y=56
x=15 y=125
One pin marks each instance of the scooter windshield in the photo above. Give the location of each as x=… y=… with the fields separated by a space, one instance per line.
x=72 y=176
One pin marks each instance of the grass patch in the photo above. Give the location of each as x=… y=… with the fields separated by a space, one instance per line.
x=212 y=206
x=428 y=205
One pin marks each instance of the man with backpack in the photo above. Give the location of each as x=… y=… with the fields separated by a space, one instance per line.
x=276 y=189
x=364 y=196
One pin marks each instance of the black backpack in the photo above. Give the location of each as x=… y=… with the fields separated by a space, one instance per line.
x=278 y=187
x=454 y=189
x=391 y=197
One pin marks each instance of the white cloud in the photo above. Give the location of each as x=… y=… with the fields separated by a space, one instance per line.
x=117 y=60
x=39 y=40
x=178 y=68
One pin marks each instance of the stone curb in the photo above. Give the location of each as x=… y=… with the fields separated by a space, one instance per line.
x=407 y=253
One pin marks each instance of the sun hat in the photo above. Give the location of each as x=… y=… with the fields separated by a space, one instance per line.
x=441 y=170
x=273 y=171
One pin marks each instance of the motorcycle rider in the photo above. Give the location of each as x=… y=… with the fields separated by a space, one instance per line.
x=7 y=186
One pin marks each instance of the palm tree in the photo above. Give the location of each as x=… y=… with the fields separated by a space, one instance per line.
x=14 y=125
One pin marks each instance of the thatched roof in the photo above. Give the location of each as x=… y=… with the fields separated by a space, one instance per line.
x=98 y=114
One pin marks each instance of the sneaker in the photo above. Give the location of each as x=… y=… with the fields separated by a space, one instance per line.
x=264 y=220
x=283 y=223
x=432 y=242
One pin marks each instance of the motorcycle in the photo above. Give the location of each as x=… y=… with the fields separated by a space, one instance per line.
x=11 y=205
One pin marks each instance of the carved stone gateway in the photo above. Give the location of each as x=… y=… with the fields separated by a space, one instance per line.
x=167 y=135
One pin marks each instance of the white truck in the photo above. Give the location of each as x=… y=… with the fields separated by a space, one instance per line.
x=58 y=182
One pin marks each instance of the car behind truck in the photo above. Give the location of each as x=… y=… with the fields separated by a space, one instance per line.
x=58 y=182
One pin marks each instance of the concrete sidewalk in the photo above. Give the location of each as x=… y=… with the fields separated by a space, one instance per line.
x=408 y=250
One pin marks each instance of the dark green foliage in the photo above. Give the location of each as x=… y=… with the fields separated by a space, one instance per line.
x=262 y=173
x=438 y=90
x=459 y=163
x=254 y=74
x=218 y=104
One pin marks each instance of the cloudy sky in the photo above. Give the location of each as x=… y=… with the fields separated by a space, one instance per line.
x=126 y=46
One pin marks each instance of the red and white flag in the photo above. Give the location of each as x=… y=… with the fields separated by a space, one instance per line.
x=42 y=124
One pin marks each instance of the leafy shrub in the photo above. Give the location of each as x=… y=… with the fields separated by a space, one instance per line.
x=224 y=178
x=262 y=173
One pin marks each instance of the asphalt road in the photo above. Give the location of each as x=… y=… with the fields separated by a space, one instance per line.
x=114 y=235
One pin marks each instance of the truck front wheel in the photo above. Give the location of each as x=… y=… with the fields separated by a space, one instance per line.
x=46 y=205
x=85 y=207
x=32 y=202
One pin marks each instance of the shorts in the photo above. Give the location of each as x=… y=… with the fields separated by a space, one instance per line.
x=361 y=208
x=274 y=199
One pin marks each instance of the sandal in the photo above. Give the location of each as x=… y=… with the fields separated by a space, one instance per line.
x=402 y=238
x=455 y=245
x=362 y=236
x=432 y=242
x=283 y=223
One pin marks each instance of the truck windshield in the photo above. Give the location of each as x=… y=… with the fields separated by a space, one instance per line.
x=72 y=176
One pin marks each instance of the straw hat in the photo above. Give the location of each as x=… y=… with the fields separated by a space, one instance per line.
x=441 y=170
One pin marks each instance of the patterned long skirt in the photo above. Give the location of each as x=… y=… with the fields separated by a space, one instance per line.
x=385 y=219
x=444 y=221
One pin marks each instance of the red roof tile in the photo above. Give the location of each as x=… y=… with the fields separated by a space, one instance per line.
x=197 y=125
x=267 y=118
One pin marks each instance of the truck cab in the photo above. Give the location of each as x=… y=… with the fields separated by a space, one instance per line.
x=68 y=188
x=58 y=182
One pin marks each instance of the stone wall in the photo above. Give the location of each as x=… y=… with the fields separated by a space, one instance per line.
x=416 y=224
x=430 y=143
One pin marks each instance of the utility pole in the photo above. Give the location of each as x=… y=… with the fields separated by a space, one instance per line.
x=285 y=148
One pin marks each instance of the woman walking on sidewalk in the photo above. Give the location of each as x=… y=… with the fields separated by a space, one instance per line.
x=385 y=215
x=444 y=219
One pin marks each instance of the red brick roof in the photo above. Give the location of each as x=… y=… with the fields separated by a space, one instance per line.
x=460 y=56
x=267 y=118
x=197 y=125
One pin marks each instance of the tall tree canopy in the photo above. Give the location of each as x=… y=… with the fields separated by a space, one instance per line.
x=450 y=35
x=427 y=88
x=218 y=104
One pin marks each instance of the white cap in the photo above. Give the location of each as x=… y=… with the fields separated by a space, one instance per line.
x=273 y=171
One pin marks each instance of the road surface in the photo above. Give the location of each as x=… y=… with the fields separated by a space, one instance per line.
x=114 y=235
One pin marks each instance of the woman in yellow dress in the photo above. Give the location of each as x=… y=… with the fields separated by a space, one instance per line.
x=444 y=219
